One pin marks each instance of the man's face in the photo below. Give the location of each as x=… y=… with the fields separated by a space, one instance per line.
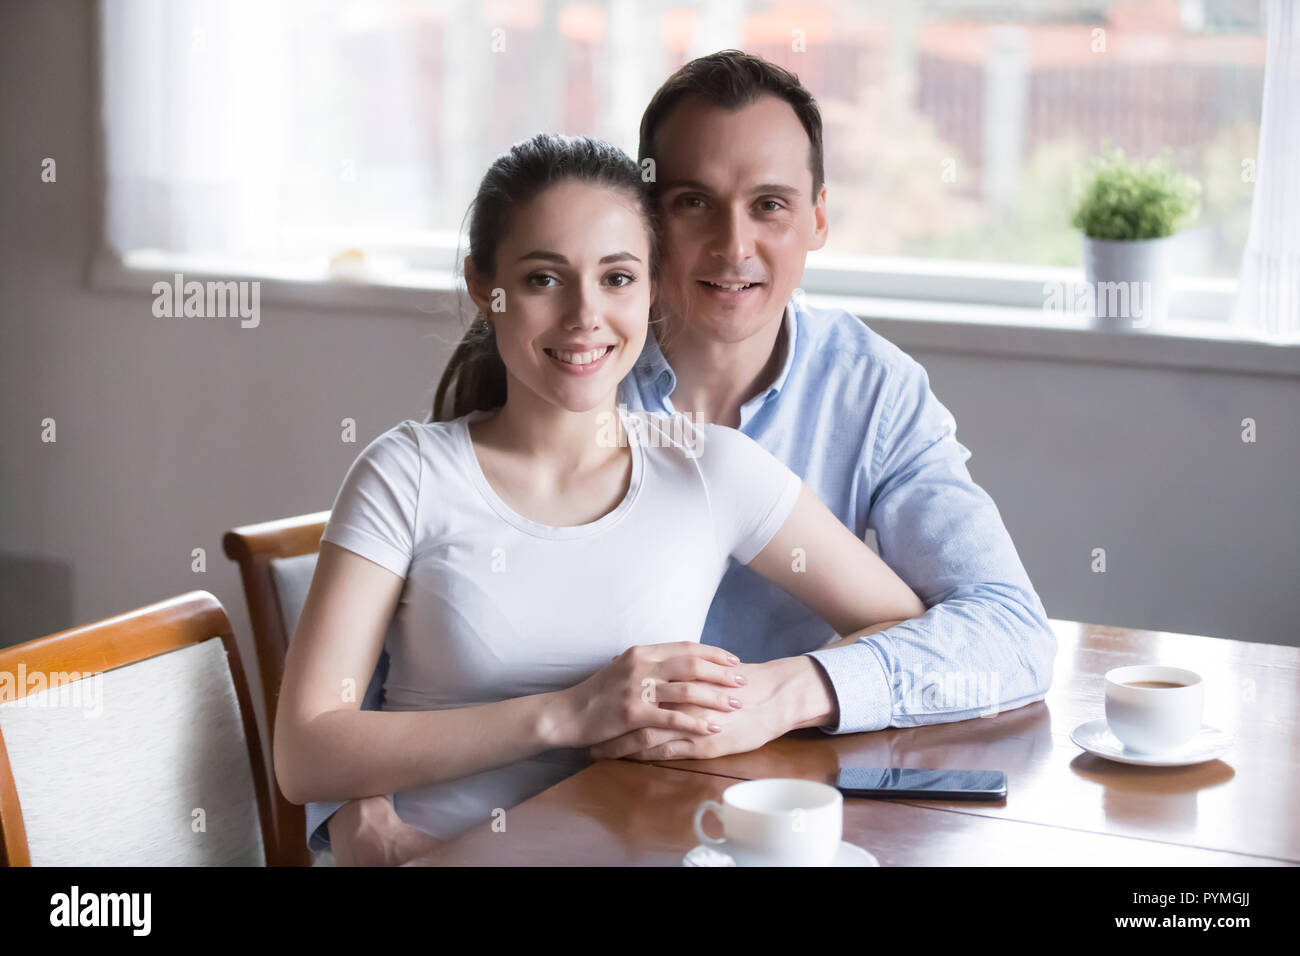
x=736 y=196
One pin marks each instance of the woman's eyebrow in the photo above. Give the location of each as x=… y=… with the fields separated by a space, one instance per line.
x=543 y=254
x=557 y=258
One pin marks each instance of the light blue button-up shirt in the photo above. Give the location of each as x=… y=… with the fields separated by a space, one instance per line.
x=853 y=415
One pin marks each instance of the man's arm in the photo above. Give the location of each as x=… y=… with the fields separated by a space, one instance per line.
x=984 y=645
x=319 y=814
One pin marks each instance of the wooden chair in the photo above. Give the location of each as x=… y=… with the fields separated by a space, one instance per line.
x=132 y=742
x=276 y=561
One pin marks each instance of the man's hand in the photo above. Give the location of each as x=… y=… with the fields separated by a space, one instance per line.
x=368 y=832
x=780 y=696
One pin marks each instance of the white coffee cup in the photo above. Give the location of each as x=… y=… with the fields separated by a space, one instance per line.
x=1153 y=719
x=776 y=822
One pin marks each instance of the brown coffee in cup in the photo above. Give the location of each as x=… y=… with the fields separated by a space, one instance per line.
x=1153 y=707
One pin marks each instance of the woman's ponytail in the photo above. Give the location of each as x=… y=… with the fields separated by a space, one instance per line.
x=475 y=378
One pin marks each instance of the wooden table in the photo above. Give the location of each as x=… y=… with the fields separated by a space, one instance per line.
x=1063 y=805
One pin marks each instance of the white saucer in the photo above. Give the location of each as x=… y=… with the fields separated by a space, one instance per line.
x=1095 y=737
x=848 y=855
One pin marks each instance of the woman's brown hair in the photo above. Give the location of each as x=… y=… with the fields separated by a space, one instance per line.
x=475 y=377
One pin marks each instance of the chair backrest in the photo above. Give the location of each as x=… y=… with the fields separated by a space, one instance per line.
x=276 y=562
x=132 y=742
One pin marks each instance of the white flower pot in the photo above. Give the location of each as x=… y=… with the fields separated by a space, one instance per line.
x=1129 y=281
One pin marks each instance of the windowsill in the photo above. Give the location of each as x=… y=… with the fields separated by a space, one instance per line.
x=1028 y=333
x=978 y=329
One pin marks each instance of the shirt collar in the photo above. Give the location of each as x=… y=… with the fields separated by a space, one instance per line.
x=655 y=369
x=791 y=325
x=652 y=365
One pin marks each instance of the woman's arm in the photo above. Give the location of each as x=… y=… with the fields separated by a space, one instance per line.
x=852 y=638
x=825 y=565
x=327 y=748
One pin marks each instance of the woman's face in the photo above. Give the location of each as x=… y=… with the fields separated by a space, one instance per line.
x=571 y=296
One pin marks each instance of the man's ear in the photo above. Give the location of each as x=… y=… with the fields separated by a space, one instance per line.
x=821 y=226
x=477 y=286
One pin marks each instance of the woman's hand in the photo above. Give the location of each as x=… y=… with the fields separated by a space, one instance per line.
x=625 y=694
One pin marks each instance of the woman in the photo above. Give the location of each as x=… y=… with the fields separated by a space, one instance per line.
x=505 y=556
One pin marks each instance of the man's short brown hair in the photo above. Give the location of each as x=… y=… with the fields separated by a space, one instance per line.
x=732 y=79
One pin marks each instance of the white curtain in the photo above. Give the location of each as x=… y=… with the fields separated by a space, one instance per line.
x=265 y=131
x=1268 y=286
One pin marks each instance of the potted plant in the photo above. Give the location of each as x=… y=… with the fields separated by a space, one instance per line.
x=1129 y=211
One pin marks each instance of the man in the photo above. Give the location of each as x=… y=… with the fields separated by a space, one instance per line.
x=734 y=148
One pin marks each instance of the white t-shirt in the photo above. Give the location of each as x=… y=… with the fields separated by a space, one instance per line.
x=496 y=606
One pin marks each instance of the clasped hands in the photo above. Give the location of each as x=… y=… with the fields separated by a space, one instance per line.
x=682 y=701
x=652 y=702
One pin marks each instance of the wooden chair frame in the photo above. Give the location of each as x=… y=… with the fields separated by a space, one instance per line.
x=253 y=548
x=169 y=625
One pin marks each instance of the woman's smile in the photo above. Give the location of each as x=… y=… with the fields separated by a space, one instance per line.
x=579 y=363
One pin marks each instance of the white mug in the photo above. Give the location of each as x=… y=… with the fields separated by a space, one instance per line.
x=1152 y=719
x=776 y=822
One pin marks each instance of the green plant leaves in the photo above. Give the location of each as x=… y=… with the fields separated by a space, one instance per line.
x=1135 y=199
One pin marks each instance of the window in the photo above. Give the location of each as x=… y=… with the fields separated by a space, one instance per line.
x=285 y=133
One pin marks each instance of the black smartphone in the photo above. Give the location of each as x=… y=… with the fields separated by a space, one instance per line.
x=926 y=784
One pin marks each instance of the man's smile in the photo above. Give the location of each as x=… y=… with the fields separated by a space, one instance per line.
x=728 y=290
x=732 y=285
